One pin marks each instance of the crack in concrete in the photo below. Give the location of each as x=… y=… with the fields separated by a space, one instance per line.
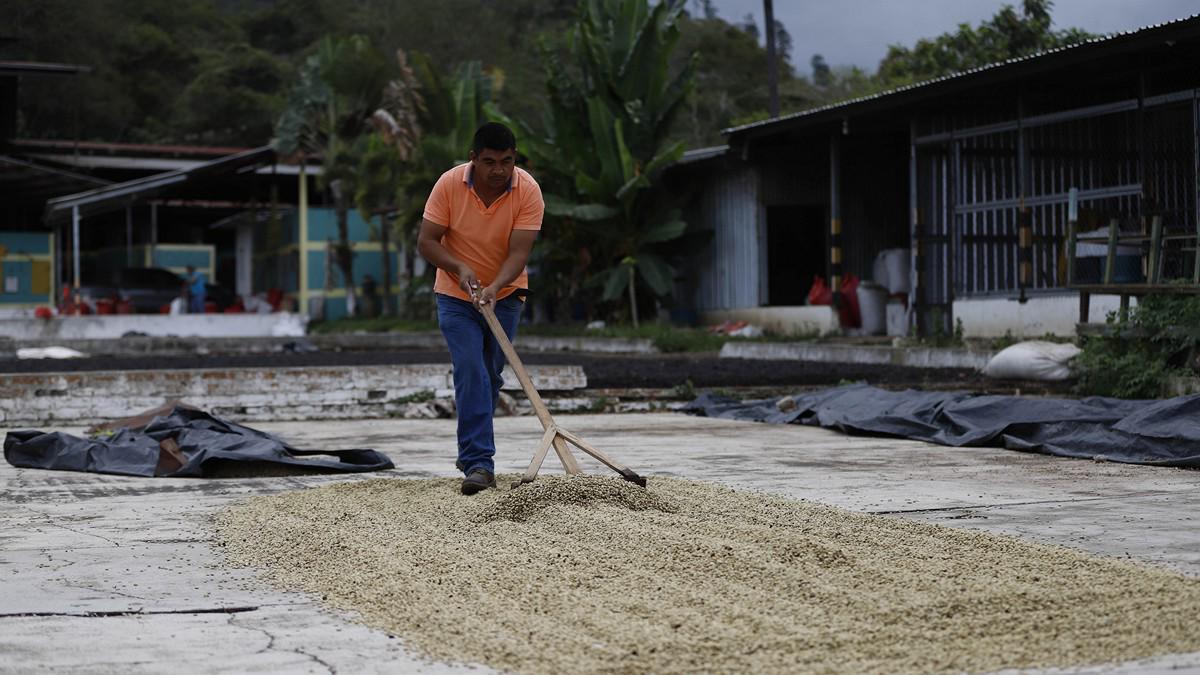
x=135 y=612
x=69 y=583
x=975 y=507
x=49 y=520
x=271 y=645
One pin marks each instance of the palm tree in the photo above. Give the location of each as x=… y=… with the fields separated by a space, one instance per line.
x=344 y=88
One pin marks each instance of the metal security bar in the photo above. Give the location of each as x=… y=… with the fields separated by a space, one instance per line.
x=981 y=187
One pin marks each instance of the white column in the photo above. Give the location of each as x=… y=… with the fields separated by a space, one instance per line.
x=245 y=258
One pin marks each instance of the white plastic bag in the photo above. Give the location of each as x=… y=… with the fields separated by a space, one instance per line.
x=178 y=307
x=52 y=352
x=1034 y=360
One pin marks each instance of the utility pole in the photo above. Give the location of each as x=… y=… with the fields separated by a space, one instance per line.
x=772 y=62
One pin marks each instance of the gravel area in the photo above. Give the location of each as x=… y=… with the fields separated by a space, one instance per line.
x=594 y=574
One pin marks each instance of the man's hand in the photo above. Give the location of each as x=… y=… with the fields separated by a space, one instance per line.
x=467 y=280
x=487 y=295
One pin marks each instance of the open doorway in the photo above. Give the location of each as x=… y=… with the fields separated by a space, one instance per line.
x=796 y=252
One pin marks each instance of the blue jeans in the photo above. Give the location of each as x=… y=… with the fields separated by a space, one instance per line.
x=478 y=364
x=195 y=304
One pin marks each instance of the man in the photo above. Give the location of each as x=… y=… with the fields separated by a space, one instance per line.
x=480 y=223
x=195 y=290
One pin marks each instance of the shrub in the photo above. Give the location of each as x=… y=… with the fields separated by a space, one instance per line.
x=1136 y=355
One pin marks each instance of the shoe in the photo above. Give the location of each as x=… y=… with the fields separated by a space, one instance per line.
x=478 y=479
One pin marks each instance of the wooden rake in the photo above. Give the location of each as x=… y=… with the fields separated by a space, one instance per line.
x=554 y=435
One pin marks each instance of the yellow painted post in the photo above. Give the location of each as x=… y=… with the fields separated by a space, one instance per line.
x=302 y=246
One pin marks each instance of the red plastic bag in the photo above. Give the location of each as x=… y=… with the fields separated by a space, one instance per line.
x=820 y=294
x=848 y=313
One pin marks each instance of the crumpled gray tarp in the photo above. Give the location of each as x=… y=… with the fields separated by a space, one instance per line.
x=204 y=440
x=1161 y=432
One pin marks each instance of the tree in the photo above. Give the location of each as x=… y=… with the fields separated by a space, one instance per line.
x=234 y=99
x=822 y=73
x=607 y=140
x=341 y=88
x=383 y=160
x=452 y=111
x=1006 y=35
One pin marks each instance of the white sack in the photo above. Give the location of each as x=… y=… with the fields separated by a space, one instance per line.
x=1034 y=360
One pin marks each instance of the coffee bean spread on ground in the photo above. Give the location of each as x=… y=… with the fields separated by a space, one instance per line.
x=596 y=574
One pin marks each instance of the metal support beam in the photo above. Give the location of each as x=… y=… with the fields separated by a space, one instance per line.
x=152 y=254
x=835 y=219
x=129 y=236
x=1024 y=224
x=1196 y=180
x=75 y=247
x=914 y=218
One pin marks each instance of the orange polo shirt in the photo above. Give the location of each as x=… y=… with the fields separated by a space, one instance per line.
x=478 y=235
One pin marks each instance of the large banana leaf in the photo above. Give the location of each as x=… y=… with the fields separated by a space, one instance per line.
x=657 y=273
x=666 y=231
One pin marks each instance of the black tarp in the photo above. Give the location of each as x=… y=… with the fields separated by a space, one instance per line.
x=206 y=443
x=1160 y=432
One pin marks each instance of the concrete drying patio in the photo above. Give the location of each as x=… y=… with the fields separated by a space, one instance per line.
x=111 y=574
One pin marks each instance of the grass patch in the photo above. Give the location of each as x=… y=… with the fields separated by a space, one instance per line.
x=667 y=338
x=379 y=324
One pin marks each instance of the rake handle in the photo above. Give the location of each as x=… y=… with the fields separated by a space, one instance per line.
x=531 y=392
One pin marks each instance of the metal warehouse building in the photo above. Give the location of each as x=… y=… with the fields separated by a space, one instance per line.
x=990 y=178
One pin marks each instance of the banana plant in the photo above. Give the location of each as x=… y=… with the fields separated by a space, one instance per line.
x=606 y=139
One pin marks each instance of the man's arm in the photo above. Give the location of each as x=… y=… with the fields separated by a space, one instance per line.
x=429 y=244
x=520 y=243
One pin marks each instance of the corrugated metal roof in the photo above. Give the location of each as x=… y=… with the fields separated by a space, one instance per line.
x=701 y=154
x=93 y=147
x=37 y=68
x=115 y=196
x=1086 y=44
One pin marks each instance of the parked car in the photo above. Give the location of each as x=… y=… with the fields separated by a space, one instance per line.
x=147 y=290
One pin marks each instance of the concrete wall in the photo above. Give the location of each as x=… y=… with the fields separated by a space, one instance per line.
x=801 y=320
x=188 y=325
x=1056 y=314
x=243 y=394
x=913 y=357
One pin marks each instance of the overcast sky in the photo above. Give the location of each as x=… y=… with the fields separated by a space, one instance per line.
x=857 y=32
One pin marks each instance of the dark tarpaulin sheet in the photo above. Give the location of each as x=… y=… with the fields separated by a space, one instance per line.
x=1160 y=432
x=206 y=442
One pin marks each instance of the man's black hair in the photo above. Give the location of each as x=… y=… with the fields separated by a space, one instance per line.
x=493 y=136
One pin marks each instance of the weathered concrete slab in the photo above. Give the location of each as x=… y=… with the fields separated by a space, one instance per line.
x=185 y=325
x=913 y=357
x=333 y=392
x=176 y=345
x=72 y=544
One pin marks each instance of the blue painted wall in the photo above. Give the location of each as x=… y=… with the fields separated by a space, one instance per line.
x=17 y=264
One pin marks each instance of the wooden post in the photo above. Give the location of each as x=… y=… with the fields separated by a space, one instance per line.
x=1155 y=250
x=1114 y=227
x=1072 y=233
